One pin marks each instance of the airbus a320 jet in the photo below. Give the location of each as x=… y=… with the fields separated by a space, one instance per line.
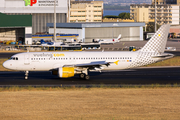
x=67 y=64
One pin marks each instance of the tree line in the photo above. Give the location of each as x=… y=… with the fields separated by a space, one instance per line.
x=123 y=15
x=116 y=7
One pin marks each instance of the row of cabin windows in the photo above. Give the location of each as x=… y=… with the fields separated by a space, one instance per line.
x=14 y=58
x=82 y=58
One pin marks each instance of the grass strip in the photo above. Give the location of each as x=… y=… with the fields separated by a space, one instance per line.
x=92 y=104
x=73 y=87
x=175 y=61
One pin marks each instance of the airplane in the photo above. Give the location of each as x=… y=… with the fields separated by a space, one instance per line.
x=67 y=64
x=108 y=41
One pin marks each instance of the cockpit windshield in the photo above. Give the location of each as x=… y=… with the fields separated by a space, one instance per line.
x=14 y=58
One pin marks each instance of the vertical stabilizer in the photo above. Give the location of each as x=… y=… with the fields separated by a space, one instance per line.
x=158 y=42
x=119 y=37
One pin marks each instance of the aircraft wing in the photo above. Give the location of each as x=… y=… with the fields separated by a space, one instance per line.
x=92 y=65
x=99 y=63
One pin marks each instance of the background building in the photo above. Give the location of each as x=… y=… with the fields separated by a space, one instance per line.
x=34 y=16
x=167 y=12
x=146 y=13
x=15 y=27
x=140 y=13
x=175 y=15
x=166 y=1
x=130 y=31
x=86 y=11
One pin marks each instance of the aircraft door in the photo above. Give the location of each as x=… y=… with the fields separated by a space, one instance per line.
x=26 y=59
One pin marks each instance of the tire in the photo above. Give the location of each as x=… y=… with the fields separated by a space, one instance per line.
x=87 y=77
x=82 y=75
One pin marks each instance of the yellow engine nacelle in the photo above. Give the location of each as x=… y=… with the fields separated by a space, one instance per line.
x=65 y=72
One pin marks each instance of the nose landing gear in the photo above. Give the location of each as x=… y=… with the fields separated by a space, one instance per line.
x=26 y=75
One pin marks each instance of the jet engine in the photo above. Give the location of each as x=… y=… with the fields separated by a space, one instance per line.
x=64 y=72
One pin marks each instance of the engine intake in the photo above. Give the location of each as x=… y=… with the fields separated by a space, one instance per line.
x=65 y=72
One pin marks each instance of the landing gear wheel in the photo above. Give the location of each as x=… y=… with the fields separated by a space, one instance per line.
x=87 y=77
x=82 y=75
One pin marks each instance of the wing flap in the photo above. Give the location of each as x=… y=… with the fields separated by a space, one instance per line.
x=99 y=63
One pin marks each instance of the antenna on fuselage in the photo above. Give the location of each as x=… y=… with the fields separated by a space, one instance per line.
x=54 y=20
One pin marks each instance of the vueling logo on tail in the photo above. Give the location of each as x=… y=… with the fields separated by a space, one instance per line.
x=30 y=2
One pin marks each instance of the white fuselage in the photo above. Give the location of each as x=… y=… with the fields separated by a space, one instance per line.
x=108 y=41
x=45 y=61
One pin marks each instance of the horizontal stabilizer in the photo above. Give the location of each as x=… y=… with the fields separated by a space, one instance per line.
x=163 y=56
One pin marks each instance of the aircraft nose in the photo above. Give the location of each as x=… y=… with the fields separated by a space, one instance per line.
x=6 y=64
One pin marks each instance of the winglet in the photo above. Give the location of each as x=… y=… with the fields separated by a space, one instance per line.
x=116 y=62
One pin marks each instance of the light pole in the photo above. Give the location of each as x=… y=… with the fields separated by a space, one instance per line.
x=54 y=20
x=69 y=10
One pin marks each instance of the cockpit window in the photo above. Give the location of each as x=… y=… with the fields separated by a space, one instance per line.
x=14 y=58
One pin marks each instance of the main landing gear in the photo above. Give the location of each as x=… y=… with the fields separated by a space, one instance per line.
x=84 y=75
x=26 y=75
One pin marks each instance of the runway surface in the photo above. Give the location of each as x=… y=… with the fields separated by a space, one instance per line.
x=139 y=76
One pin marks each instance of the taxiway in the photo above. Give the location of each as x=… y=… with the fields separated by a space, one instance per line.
x=139 y=76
